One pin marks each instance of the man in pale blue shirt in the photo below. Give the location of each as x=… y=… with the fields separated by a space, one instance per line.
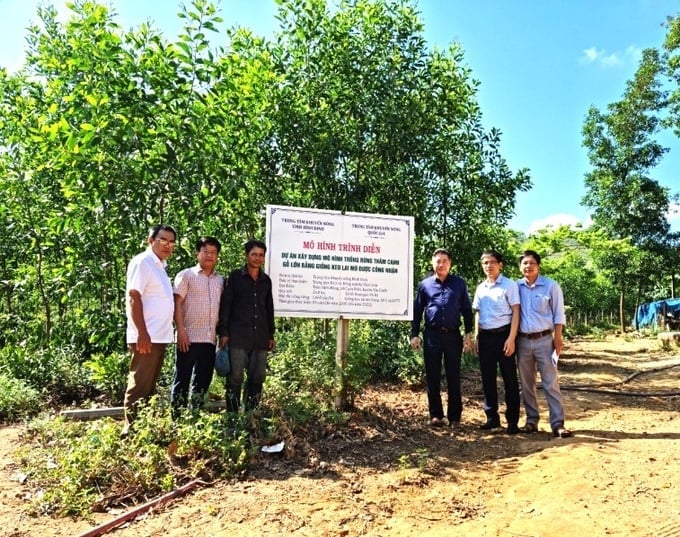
x=539 y=342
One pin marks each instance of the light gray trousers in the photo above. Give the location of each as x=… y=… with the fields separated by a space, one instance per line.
x=532 y=355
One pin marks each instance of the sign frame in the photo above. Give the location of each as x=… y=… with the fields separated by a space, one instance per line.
x=335 y=264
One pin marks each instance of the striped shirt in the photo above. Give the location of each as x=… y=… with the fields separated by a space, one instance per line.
x=201 y=305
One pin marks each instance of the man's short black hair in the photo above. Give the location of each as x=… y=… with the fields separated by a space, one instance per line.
x=442 y=251
x=153 y=232
x=530 y=253
x=252 y=243
x=492 y=253
x=208 y=241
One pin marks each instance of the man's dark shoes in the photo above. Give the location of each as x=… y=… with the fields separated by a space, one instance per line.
x=491 y=423
x=529 y=428
x=437 y=422
x=513 y=429
x=561 y=432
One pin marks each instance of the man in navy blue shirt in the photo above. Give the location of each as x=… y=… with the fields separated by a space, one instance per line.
x=442 y=299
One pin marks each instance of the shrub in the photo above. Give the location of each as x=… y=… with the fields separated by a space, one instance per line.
x=17 y=399
x=108 y=374
x=57 y=373
x=90 y=468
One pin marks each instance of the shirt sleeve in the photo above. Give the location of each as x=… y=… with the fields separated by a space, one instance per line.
x=475 y=300
x=225 y=308
x=138 y=276
x=181 y=286
x=513 y=293
x=270 y=311
x=557 y=300
x=466 y=308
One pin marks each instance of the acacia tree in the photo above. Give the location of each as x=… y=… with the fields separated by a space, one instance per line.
x=671 y=57
x=571 y=257
x=370 y=120
x=105 y=133
x=627 y=203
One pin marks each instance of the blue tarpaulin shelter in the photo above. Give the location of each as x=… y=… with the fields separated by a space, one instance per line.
x=654 y=314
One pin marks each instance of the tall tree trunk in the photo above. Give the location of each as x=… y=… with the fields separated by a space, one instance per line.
x=621 y=310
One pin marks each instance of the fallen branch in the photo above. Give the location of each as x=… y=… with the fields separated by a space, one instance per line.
x=589 y=389
x=651 y=370
x=134 y=513
x=601 y=388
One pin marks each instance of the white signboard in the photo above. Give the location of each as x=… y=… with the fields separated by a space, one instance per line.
x=334 y=264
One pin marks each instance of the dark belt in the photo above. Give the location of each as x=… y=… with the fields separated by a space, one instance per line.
x=441 y=329
x=536 y=335
x=498 y=330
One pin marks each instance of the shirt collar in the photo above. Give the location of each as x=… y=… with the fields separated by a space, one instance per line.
x=156 y=259
x=539 y=281
x=491 y=284
x=198 y=270
x=244 y=272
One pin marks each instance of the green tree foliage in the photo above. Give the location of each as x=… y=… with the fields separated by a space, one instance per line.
x=108 y=133
x=105 y=131
x=671 y=57
x=671 y=50
x=628 y=204
x=370 y=120
x=569 y=256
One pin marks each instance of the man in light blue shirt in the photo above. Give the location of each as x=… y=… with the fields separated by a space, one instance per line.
x=539 y=342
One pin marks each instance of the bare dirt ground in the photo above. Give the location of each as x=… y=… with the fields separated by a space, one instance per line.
x=389 y=474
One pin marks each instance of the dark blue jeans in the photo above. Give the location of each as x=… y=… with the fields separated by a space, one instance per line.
x=449 y=347
x=199 y=363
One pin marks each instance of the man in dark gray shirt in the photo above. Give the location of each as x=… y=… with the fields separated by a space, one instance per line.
x=246 y=325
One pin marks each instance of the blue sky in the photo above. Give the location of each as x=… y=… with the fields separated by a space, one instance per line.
x=541 y=64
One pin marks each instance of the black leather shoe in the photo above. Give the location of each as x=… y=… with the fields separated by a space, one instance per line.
x=491 y=424
x=437 y=422
x=513 y=429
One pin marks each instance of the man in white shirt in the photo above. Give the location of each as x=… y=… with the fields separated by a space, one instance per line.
x=496 y=303
x=149 y=309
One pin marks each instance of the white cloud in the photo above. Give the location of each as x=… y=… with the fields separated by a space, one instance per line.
x=556 y=220
x=606 y=59
x=563 y=219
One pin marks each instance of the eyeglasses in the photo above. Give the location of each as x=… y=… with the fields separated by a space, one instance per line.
x=165 y=242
